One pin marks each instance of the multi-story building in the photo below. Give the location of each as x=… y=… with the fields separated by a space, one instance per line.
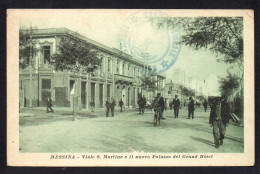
x=172 y=89
x=160 y=85
x=117 y=77
x=169 y=91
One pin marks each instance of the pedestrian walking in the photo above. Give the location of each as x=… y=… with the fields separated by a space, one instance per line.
x=140 y=104
x=108 y=107
x=143 y=104
x=121 y=104
x=49 y=105
x=112 y=106
x=92 y=104
x=205 y=104
x=161 y=104
x=157 y=111
x=191 y=108
x=219 y=119
x=176 y=105
x=165 y=105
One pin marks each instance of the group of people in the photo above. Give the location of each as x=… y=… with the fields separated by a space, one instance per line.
x=177 y=104
x=158 y=106
x=219 y=114
x=142 y=104
x=161 y=106
x=110 y=105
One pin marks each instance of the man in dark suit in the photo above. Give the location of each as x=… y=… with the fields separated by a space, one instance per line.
x=49 y=105
x=176 y=105
x=108 y=107
x=205 y=104
x=112 y=106
x=143 y=104
x=219 y=119
x=121 y=104
x=140 y=104
x=191 y=108
x=161 y=104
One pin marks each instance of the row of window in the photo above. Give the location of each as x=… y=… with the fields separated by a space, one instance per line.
x=123 y=72
x=47 y=55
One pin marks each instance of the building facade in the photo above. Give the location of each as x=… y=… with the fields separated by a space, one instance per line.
x=169 y=91
x=117 y=77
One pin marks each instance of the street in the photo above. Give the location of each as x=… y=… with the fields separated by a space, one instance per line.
x=42 y=132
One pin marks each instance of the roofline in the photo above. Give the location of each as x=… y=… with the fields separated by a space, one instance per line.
x=64 y=31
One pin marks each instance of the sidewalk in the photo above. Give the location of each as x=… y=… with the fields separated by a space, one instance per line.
x=63 y=111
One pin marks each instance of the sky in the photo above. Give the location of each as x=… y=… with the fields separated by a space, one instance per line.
x=105 y=28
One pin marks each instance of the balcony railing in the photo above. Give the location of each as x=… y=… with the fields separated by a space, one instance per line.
x=124 y=79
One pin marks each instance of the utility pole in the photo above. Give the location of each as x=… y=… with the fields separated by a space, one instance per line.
x=75 y=96
x=30 y=65
x=145 y=56
x=38 y=75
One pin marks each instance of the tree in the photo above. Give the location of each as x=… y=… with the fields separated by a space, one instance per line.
x=27 y=47
x=148 y=83
x=228 y=84
x=27 y=53
x=222 y=35
x=75 y=55
x=186 y=91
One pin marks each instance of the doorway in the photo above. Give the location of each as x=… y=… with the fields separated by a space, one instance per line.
x=83 y=95
x=93 y=91
x=46 y=90
x=128 y=97
x=108 y=91
x=101 y=95
x=124 y=94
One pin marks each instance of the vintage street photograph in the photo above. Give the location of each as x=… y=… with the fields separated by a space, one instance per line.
x=140 y=83
x=122 y=81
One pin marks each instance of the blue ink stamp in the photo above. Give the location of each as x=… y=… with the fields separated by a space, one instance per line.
x=158 y=48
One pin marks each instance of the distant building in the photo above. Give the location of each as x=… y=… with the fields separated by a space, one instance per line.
x=117 y=77
x=169 y=91
x=172 y=89
x=160 y=85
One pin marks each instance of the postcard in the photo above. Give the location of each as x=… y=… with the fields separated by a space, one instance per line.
x=128 y=87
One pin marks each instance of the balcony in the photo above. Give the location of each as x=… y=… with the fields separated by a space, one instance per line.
x=122 y=79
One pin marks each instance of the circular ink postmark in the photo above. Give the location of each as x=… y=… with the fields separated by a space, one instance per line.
x=156 y=47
